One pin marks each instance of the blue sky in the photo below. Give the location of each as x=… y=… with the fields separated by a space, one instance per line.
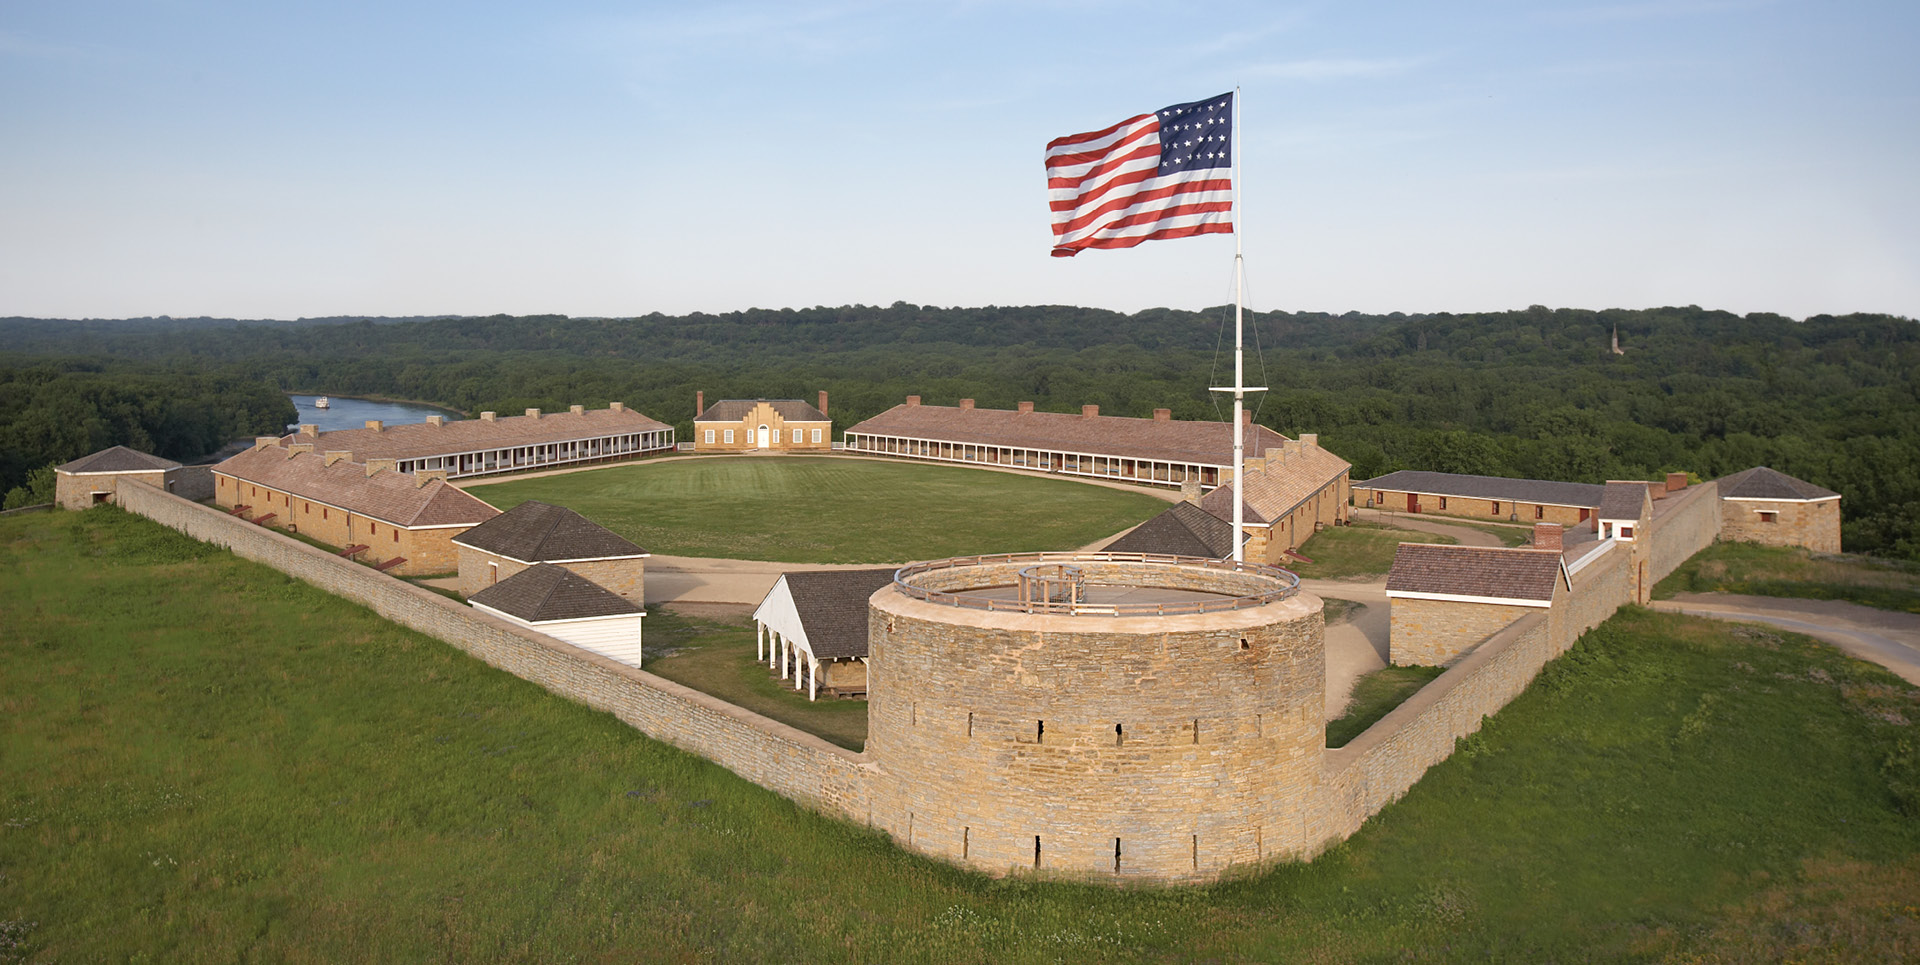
x=259 y=160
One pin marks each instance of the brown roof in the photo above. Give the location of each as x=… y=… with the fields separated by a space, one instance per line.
x=1622 y=500
x=547 y=592
x=1580 y=495
x=1293 y=474
x=832 y=605
x=1206 y=443
x=1489 y=571
x=536 y=532
x=387 y=495
x=1763 y=483
x=470 y=435
x=1184 y=530
x=733 y=410
x=117 y=459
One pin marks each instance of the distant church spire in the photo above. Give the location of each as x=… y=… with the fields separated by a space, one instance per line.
x=1617 y=350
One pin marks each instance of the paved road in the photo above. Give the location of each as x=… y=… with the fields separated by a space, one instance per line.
x=1887 y=638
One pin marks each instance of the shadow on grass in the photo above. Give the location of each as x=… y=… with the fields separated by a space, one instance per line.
x=716 y=656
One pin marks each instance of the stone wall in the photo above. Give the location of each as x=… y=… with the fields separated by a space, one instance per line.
x=1431 y=633
x=1813 y=525
x=76 y=490
x=771 y=754
x=1395 y=501
x=1684 y=523
x=427 y=551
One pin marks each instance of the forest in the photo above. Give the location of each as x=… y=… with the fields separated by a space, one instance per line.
x=1535 y=392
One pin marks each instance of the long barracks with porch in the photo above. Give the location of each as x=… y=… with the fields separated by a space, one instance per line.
x=489 y=444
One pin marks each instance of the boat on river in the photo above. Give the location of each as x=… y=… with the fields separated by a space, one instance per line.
x=322 y=403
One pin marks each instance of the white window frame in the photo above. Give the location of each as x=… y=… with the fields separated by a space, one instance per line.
x=729 y=437
x=709 y=437
x=796 y=436
x=816 y=437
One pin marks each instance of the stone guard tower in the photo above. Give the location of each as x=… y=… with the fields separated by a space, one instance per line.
x=1163 y=723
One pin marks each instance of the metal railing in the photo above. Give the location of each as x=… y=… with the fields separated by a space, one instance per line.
x=1289 y=584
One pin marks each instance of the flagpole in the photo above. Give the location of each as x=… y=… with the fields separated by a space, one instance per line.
x=1240 y=387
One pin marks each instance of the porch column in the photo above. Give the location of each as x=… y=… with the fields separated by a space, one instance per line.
x=813 y=679
x=759 y=640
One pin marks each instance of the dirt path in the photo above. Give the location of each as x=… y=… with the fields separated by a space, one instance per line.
x=1465 y=535
x=1887 y=638
x=1357 y=646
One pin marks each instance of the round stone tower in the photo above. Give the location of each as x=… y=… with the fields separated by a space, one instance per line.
x=1154 y=718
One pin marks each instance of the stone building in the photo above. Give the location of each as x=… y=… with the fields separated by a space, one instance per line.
x=1183 y=530
x=1761 y=505
x=812 y=626
x=405 y=522
x=92 y=479
x=1443 y=600
x=1292 y=492
x=1158 y=451
x=1491 y=497
x=533 y=533
x=781 y=425
x=476 y=447
x=567 y=606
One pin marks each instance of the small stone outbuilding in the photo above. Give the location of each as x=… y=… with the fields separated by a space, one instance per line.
x=812 y=626
x=535 y=532
x=1445 y=599
x=1769 y=507
x=567 y=606
x=91 y=480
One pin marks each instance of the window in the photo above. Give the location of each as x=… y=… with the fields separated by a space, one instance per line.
x=816 y=437
x=1539 y=512
x=1443 y=502
x=1496 y=509
x=729 y=439
x=1767 y=516
x=1626 y=532
x=796 y=436
x=396 y=536
x=709 y=437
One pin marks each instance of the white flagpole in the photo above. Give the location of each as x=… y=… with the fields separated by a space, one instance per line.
x=1240 y=387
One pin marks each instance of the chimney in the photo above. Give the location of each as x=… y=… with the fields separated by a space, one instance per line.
x=699 y=402
x=1026 y=407
x=425 y=476
x=1246 y=417
x=309 y=429
x=966 y=403
x=1089 y=411
x=1163 y=415
x=1676 y=481
x=1309 y=438
x=436 y=420
x=1190 y=491
x=533 y=413
x=261 y=442
x=488 y=416
x=616 y=407
x=1546 y=536
x=376 y=425
x=577 y=409
x=1256 y=464
x=298 y=448
x=913 y=400
x=376 y=465
x=823 y=402
x=335 y=455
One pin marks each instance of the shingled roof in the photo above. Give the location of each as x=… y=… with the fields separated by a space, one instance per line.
x=733 y=410
x=537 y=532
x=1500 y=573
x=472 y=435
x=1763 y=483
x=117 y=459
x=388 y=495
x=1184 y=530
x=1581 y=495
x=1292 y=475
x=1622 y=500
x=545 y=593
x=832 y=606
x=1163 y=440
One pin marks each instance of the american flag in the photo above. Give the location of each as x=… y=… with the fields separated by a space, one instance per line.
x=1168 y=174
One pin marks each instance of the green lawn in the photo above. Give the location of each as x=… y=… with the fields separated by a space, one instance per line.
x=1359 y=550
x=1375 y=695
x=206 y=761
x=1792 y=572
x=717 y=657
x=831 y=509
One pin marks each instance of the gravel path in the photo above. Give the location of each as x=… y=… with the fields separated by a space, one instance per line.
x=1887 y=638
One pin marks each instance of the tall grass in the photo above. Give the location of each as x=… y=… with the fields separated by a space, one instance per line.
x=1784 y=571
x=205 y=761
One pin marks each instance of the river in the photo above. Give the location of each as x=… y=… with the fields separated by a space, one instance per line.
x=354 y=413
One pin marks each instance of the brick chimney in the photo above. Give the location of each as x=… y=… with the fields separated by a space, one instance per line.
x=1089 y=411
x=261 y=442
x=335 y=455
x=298 y=448
x=913 y=400
x=577 y=409
x=699 y=402
x=616 y=407
x=436 y=420
x=1026 y=407
x=1163 y=415
x=823 y=402
x=966 y=403
x=1547 y=536
x=378 y=465
x=1246 y=417
x=488 y=416
x=425 y=476
x=533 y=413
x=1676 y=481
x=1190 y=491
x=1310 y=438
x=309 y=429
x=376 y=425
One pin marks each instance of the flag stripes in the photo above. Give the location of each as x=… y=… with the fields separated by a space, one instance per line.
x=1149 y=177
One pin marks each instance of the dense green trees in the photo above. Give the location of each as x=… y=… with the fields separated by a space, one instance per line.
x=1536 y=392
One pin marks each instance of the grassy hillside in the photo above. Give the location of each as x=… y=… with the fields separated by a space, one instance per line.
x=832 y=509
x=207 y=762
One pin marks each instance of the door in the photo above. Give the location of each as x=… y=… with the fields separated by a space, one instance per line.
x=765 y=441
x=1413 y=502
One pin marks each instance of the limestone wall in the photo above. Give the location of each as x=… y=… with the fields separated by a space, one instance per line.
x=1684 y=523
x=784 y=760
x=75 y=490
x=1430 y=633
x=1815 y=526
